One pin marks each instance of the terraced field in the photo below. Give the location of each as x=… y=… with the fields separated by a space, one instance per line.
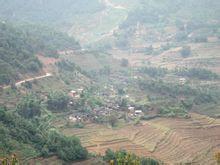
x=203 y=55
x=172 y=141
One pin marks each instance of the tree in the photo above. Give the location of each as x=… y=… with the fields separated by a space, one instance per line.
x=121 y=91
x=57 y=101
x=28 y=85
x=113 y=120
x=186 y=51
x=123 y=103
x=124 y=62
x=200 y=73
x=154 y=71
x=67 y=148
x=122 y=157
x=1 y=89
x=109 y=155
x=217 y=157
x=29 y=107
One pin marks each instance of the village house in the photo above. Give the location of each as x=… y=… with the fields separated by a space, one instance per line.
x=138 y=113
x=182 y=81
x=72 y=118
x=131 y=109
x=72 y=93
x=65 y=52
x=80 y=90
x=79 y=118
x=75 y=94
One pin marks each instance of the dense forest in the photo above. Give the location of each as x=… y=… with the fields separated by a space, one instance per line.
x=16 y=54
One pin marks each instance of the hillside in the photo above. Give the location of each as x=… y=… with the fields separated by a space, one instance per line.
x=19 y=46
x=16 y=56
x=170 y=22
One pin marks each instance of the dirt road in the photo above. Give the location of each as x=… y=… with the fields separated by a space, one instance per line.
x=29 y=79
x=110 y=4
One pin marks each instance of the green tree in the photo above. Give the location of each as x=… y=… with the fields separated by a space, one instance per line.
x=113 y=119
x=123 y=158
x=186 y=51
x=29 y=107
x=123 y=103
x=67 y=148
x=124 y=62
x=109 y=155
x=57 y=101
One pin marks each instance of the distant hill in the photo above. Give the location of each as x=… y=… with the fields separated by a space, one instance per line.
x=46 y=11
x=169 y=22
x=168 y=11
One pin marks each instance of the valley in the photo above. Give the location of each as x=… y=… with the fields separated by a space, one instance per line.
x=110 y=82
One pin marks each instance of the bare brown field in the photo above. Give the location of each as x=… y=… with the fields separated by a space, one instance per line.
x=170 y=140
x=48 y=62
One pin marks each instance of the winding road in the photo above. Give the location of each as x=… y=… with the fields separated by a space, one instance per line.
x=29 y=79
x=110 y=4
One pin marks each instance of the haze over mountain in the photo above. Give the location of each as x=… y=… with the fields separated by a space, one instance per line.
x=110 y=82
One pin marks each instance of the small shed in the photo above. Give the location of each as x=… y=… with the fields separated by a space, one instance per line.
x=138 y=112
x=72 y=118
x=72 y=93
x=182 y=81
x=131 y=108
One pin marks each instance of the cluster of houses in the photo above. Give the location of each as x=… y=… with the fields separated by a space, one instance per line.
x=79 y=118
x=65 y=52
x=110 y=107
x=133 y=113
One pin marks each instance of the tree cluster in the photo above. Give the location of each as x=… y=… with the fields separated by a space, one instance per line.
x=57 y=101
x=123 y=157
x=17 y=130
x=200 y=73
